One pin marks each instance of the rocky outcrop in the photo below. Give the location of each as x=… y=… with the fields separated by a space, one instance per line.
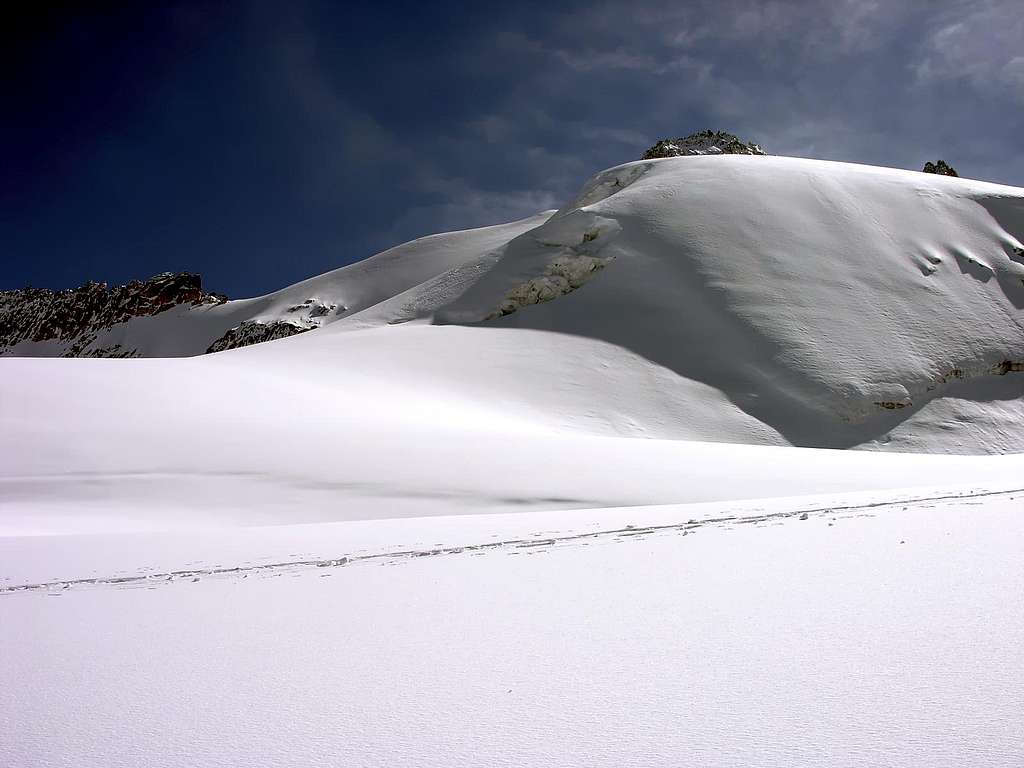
x=564 y=255
x=703 y=143
x=963 y=373
x=941 y=167
x=305 y=317
x=76 y=316
x=256 y=332
x=311 y=309
x=564 y=275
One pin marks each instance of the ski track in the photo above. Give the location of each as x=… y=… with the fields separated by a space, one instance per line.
x=512 y=546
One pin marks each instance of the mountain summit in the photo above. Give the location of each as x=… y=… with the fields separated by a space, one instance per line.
x=703 y=143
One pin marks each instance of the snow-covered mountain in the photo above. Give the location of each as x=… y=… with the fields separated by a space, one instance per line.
x=838 y=304
x=528 y=495
x=747 y=299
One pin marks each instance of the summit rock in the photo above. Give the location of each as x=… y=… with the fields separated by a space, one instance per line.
x=703 y=143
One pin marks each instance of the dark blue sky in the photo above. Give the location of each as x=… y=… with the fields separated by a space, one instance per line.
x=261 y=143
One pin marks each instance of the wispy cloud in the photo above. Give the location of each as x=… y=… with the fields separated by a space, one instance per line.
x=981 y=47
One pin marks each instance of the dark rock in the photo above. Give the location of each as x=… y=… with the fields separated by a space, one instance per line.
x=941 y=167
x=892 y=405
x=1007 y=366
x=255 y=332
x=703 y=143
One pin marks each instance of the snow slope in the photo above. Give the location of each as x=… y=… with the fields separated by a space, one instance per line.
x=818 y=297
x=310 y=429
x=532 y=497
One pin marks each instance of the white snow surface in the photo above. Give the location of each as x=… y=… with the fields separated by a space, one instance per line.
x=874 y=635
x=487 y=517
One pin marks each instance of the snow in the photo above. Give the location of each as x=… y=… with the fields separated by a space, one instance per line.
x=298 y=431
x=880 y=636
x=482 y=515
x=833 y=305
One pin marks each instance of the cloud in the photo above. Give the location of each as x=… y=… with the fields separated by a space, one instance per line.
x=979 y=46
x=559 y=94
x=1013 y=74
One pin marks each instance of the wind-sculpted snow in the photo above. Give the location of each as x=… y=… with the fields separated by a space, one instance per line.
x=604 y=185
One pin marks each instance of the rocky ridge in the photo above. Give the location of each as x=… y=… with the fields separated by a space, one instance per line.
x=76 y=316
x=256 y=332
